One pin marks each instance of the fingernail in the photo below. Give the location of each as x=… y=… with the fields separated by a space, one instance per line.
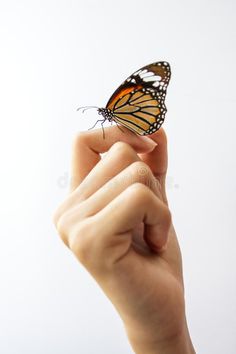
x=149 y=142
x=156 y=248
x=163 y=248
x=160 y=249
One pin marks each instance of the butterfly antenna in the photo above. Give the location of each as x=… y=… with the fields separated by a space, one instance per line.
x=86 y=107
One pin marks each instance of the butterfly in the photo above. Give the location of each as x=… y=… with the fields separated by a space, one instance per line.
x=139 y=102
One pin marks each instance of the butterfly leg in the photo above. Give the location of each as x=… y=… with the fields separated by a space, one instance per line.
x=103 y=131
x=118 y=126
x=99 y=120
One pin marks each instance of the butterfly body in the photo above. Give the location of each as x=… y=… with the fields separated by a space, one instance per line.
x=106 y=113
x=139 y=102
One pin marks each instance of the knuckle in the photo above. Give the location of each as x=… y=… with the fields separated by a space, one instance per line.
x=58 y=213
x=163 y=136
x=79 y=139
x=142 y=173
x=123 y=149
x=139 y=191
x=61 y=226
x=141 y=170
x=80 y=241
x=67 y=217
x=55 y=217
x=167 y=216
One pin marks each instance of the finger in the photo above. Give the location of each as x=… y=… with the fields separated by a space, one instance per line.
x=117 y=159
x=89 y=145
x=157 y=159
x=134 y=205
x=119 y=156
x=109 y=232
x=137 y=172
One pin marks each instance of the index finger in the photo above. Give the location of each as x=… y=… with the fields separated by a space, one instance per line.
x=90 y=144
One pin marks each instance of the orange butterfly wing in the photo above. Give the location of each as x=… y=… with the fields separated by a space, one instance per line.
x=139 y=103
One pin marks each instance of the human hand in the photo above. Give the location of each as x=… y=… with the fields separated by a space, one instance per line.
x=117 y=222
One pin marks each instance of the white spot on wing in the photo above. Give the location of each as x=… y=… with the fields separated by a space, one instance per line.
x=143 y=73
x=152 y=78
x=146 y=74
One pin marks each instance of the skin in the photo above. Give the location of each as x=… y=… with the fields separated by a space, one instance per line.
x=117 y=223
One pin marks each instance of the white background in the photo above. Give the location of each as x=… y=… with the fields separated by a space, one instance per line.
x=58 y=55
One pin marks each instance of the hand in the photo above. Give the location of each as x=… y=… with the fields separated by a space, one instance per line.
x=117 y=222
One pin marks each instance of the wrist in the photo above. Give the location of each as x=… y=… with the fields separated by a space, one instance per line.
x=179 y=343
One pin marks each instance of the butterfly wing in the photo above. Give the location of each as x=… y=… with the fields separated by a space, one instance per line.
x=139 y=103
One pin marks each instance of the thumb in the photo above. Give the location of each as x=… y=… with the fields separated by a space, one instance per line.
x=157 y=160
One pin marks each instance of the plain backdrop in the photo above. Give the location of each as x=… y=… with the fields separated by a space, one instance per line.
x=58 y=55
